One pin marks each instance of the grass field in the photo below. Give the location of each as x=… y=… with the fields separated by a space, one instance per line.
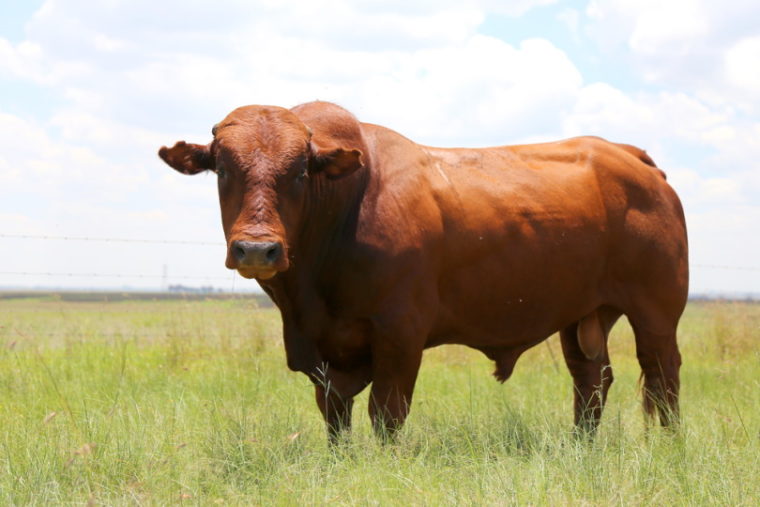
x=167 y=402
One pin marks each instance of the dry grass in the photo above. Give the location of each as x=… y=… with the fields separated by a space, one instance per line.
x=141 y=402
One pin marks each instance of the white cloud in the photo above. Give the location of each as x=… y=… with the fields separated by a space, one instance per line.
x=687 y=44
x=473 y=93
x=651 y=119
x=571 y=18
x=514 y=8
x=698 y=192
x=431 y=63
x=670 y=26
x=742 y=64
x=20 y=60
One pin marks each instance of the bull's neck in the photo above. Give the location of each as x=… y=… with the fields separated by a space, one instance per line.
x=331 y=214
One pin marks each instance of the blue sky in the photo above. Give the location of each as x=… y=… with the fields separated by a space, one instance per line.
x=89 y=91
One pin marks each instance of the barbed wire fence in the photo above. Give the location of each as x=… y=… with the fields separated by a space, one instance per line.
x=209 y=278
x=228 y=282
x=112 y=240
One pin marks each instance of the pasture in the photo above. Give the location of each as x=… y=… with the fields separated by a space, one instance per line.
x=167 y=402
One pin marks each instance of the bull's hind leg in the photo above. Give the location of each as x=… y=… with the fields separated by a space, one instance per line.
x=592 y=377
x=660 y=362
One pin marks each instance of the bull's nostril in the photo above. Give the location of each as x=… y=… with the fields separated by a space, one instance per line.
x=273 y=253
x=239 y=253
x=256 y=253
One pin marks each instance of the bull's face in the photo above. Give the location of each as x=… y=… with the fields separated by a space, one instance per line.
x=264 y=159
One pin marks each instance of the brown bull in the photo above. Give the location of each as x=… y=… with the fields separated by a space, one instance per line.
x=375 y=248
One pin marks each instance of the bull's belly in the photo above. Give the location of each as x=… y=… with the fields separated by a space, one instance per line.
x=484 y=307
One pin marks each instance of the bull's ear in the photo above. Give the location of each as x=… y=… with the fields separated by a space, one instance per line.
x=187 y=158
x=335 y=161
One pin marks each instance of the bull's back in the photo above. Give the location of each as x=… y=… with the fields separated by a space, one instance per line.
x=598 y=193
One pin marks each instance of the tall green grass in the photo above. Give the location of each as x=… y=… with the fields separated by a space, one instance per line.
x=141 y=402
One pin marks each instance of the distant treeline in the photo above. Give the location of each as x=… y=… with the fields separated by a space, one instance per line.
x=745 y=298
x=109 y=296
x=176 y=293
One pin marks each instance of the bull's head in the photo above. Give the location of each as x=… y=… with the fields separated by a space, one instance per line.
x=265 y=158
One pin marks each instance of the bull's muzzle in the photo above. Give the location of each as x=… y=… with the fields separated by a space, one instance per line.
x=257 y=259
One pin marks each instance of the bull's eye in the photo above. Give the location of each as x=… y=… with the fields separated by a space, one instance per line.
x=303 y=173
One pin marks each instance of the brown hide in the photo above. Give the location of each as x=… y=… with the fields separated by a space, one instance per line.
x=390 y=247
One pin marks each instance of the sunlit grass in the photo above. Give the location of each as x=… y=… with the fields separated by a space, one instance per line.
x=142 y=402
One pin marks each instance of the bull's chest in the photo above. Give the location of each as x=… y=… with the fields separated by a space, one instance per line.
x=344 y=342
x=320 y=329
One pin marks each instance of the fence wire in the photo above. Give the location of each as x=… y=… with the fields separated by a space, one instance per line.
x=113 y=275
x=112 y=240
x=47 y=237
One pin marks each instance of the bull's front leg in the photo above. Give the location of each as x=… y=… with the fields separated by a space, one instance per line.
x=397 y=342
x=335 y=391
x=394 y=373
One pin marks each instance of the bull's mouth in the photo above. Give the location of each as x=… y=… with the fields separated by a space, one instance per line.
x=258 y=274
